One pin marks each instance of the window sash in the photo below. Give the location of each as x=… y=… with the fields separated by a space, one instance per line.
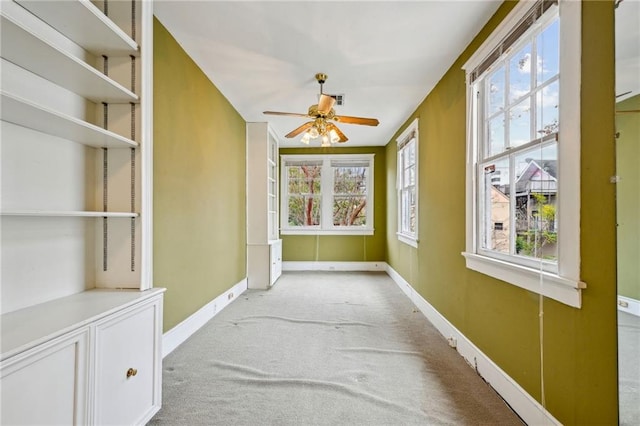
x=407 y=184
x=486 y=236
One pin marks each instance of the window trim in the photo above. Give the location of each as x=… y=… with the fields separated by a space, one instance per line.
x=326 y=227
x=565 y=285
x=411 y=132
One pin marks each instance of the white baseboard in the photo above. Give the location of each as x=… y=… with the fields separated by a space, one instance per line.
x=181 y=332
x=530 y=410
x=334 y=266
x=629 y=305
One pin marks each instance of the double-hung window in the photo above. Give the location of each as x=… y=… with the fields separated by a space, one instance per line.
x=523 y=151
x=327 y=194
x=407 y=183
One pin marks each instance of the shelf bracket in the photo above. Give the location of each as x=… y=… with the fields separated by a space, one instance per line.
x=133 y=20
x=133 y=207
x=133 y=73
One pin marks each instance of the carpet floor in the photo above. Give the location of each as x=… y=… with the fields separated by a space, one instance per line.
x=324 y=348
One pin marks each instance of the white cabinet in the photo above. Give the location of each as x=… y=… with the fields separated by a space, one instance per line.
x=264 y=248
x=67 y=361
x=75 y=209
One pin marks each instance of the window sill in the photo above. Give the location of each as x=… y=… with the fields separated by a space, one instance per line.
x=413 y=242
x=564 y=290
x=355 y=231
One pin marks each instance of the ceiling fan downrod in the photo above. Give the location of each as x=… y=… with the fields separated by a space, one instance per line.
x=321 y=79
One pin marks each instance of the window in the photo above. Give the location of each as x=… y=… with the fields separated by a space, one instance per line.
x=407 y=183
x=327 y=194
x=523 y=146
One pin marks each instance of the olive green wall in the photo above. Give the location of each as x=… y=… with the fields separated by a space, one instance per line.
x=199 y=184
x=628 y=159
x=580 y=371
x=343 y=248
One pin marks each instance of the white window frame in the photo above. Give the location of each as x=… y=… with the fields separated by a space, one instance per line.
x=409 y=136
x=326 y=226
x=563 y=285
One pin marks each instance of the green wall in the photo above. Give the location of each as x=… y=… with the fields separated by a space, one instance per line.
x=344 y=248
x=628 y=159
x=199 y=184
x=580 y=371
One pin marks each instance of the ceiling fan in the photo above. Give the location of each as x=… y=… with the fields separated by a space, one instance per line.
x=322 y=114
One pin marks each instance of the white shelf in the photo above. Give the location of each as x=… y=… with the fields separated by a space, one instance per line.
x=85 y=24
x=63 y=213
x=27 y=114
x=27 y=327
x=29 y=51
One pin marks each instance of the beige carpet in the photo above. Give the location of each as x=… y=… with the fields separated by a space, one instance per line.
x=324 y=349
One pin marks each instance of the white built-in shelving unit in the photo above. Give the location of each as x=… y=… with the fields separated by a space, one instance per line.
x=81 y=322
x=264 y=247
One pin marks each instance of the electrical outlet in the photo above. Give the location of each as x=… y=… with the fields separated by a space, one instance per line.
x=623 y=303
x=452 y=342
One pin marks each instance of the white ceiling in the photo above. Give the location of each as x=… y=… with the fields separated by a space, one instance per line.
x=384 y=56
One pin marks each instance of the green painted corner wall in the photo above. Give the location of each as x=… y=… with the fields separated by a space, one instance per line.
x=344 y=248
x=628 y=198
x=579 y=345
x=199 y=191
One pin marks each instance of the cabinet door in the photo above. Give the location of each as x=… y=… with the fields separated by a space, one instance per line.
x=276 y=260
x=128 y=366
x=48 y=384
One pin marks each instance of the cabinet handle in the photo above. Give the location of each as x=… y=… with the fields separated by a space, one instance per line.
x=131 y=372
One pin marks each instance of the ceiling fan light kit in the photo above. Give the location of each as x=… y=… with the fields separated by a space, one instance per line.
x=323 y=114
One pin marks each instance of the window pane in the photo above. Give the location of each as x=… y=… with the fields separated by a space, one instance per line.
x=349 y=210
x=536 y=202
x=495 y=206
x=349 y=201
x=303 y=179
x=304 y=210
x=548 y=57
x=408 y=222
x=520 y=74
x=496 y=135
x=495 y=90
x=410 y=153
x=520 y=123
x=350 y=180
x=547 y=104
x=409 y=176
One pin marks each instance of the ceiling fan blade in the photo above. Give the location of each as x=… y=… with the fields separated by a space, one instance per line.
x=357 y=120
x=331 y=126
x=290 y=114
x=325 y=104
x=295 y=132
